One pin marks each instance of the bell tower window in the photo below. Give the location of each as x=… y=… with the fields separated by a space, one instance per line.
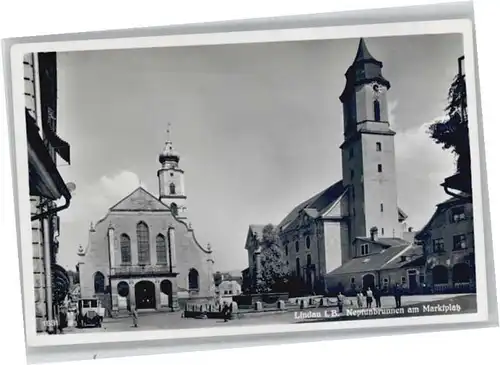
x=172 y=189
x=376 y=110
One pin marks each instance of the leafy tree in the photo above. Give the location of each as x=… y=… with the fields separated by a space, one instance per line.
x=453 y=132
x=273 y=269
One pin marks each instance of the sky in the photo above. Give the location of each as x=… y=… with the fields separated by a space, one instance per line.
x=258 y=127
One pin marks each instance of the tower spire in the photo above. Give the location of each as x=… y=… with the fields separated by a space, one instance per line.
x=168 y=155
x=363 y=54
x=168 y=131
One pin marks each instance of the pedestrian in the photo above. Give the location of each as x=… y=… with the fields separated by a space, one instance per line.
x=340 y=301
x=397 y=295
x=369 y=297
x=226 y=312
x=376 y=295
x=135 y=317
x=359 y=297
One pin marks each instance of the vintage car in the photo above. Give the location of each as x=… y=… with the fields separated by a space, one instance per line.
x=89 y=313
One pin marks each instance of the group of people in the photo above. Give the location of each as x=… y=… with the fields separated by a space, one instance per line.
x=371 y=295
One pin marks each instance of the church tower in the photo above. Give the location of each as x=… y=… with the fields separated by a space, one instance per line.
x=171 y=180
x=368 y=158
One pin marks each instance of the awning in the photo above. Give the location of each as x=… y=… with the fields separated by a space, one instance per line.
x=45 y=180
x=60 y=283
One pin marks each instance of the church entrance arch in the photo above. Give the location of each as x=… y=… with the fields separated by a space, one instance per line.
x=368 y=281
x=145 y=295
x=166 y=293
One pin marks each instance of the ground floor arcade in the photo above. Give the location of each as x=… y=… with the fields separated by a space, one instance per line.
x=144 y=293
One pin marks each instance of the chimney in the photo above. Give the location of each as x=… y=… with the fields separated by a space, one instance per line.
x=374 y=233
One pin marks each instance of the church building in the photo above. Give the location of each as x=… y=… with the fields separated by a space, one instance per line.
x=357 y=216
x=144 y=254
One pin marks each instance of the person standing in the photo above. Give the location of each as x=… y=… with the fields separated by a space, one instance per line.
x=376 y=296
x=397 y=295
x=359 y=298
x=340 y=301
x=369 y=297
x=135 y=317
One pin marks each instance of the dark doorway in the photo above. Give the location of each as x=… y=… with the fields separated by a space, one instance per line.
x=412 y=281
x=439 y=275
x=166 y=288
x=123 y=289
x=368 y=281
x=145 y=295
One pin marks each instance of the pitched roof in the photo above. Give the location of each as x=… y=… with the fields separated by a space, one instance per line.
x=372 y=262
x=139 y=200
x=441 y=207
x=385 y=241
x=257 y=229
x=315 y=205
x=413 y=253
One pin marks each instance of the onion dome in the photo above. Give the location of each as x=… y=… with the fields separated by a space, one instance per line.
x=168 y=154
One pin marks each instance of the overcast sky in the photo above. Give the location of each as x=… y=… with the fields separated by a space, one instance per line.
x=258 y=128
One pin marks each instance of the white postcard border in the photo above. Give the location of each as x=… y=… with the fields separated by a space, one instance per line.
x=462 y=26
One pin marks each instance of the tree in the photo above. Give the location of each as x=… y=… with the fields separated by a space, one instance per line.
x=453 y=132
x=273 y=269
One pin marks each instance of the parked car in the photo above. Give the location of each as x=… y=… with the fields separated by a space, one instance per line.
x=89 y=313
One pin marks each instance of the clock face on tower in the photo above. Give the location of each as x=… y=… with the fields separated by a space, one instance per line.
x=377 y=89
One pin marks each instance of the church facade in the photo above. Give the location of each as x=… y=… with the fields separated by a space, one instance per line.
x=322 y=236
x=144 y=254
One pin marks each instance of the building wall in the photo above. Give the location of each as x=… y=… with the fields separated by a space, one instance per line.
x=296 y=247
x=383 y=278
x=36 y=226
x=333 y=245
x=443 y=228
x=188 y=254
x=380 y=188
x=38 y=267
x=252 y=245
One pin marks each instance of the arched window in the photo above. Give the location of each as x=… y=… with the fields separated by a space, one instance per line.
x=286 y=249
x=376 y=110
x=125 y=249
x=161 y=249
x=308 y=242
x=143 y=243
x=172 y=189
x=99 y=282
x=296 y=246
x=194 y=280
x=174 y=209
x=297 y=266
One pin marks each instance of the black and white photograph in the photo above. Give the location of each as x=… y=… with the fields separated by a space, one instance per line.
x=265 y=183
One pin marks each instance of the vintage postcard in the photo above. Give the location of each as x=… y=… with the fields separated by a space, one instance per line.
x=249 y=182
